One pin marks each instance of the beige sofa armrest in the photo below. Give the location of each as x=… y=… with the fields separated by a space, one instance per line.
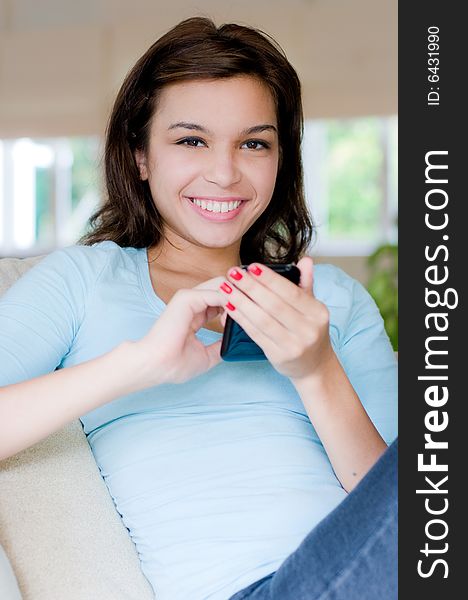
x=59 y=526
x=9 y=589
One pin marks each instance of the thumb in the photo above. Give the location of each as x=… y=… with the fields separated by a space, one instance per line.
x=306 y=267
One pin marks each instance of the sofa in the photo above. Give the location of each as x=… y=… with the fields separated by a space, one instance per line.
x=61 y=537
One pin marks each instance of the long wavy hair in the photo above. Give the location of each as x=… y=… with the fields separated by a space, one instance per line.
x=197 y=49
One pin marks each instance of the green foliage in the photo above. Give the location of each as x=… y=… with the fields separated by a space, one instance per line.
x=383 y=287
x=43 y=204
x=354 y=177
x=84 y=169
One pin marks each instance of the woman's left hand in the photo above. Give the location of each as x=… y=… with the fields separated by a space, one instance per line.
x=285 y=320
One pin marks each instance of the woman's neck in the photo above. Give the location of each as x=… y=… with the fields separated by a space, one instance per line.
x=178 y=266
x=195 y=264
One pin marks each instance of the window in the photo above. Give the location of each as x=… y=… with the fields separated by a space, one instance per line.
x=50 y=187
x=48 y=190
x=350 y=169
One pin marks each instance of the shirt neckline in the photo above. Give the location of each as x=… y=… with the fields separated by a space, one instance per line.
x=154 y=300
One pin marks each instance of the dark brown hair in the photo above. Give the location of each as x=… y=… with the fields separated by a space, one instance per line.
x=197 y=49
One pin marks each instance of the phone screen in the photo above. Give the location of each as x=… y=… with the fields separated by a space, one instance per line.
x=236 y=345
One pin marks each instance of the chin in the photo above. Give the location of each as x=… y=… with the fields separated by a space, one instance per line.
x=217 y=243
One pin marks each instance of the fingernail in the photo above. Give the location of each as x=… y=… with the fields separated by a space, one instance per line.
x=226 y=288
x=235 y=274
x=254 y=269
x=230 y=306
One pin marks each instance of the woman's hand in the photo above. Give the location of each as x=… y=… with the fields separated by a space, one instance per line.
x=292 y=328
x=285 y=320
x=170 y=352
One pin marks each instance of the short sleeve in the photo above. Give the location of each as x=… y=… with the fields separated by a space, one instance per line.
x=41 y=313
x=364 y=349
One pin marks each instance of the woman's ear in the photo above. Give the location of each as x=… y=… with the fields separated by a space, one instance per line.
x=141 y=164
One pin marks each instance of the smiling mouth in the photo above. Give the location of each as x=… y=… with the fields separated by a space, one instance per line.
x=216 y=207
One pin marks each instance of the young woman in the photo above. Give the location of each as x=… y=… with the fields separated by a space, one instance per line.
x=232 y=478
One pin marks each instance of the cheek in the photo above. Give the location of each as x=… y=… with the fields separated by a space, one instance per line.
x=171 y=171
x=265 y=178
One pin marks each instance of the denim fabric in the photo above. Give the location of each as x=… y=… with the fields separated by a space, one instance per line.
x=351 y=554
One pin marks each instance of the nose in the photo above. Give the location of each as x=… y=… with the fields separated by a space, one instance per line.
x=222 y=168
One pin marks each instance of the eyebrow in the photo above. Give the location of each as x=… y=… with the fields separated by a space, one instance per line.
x=248 y=131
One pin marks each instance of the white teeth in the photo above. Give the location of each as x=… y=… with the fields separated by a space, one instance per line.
x=219 y=207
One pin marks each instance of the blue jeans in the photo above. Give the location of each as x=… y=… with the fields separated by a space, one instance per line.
x=349 y=555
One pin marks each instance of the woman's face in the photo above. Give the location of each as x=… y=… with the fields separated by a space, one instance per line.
x=212 y=158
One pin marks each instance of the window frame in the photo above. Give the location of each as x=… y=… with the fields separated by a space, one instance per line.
x=314 y=153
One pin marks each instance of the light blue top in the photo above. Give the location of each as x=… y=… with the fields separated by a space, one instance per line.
x=218 y=479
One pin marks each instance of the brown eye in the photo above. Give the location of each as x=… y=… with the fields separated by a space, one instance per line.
x=252 y=143
x=192 y=142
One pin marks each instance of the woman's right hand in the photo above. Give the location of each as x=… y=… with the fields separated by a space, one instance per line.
x=170 y=352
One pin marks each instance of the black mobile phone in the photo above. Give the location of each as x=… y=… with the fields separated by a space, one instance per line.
x=236 y=345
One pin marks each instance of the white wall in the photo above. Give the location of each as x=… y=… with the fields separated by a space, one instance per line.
x=62 y=61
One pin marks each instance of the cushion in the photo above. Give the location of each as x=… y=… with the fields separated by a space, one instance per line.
x=58 y=524
x=8 y=585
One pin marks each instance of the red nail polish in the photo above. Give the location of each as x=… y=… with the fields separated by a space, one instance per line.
x=254 y=269
x=230 y=306
x=226 y=288
x=235 y=274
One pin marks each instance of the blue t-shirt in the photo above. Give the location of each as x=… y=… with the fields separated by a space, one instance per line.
x=217 y=479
